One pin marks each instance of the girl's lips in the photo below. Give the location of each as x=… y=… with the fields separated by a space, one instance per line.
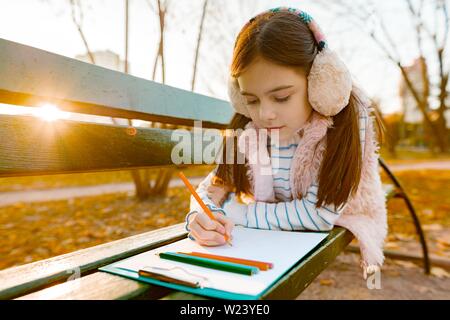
x=274 y=128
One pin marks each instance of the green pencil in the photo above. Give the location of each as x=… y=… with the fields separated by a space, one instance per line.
x=210 y=263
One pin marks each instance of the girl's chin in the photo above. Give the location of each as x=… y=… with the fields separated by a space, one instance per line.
x=280 y=132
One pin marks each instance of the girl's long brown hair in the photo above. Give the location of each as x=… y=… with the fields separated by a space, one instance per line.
x=285 y=40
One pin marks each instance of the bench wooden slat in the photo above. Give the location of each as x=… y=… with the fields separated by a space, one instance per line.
x=288 y=287
x=99 y=286
x=31 y=76
x=179 y=295
x=106 y=286
x=20 y=280
x=33 y=146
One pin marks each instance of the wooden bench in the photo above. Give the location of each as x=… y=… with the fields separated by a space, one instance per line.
x=30 y=146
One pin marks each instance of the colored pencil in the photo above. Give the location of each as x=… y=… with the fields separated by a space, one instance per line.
x=210 y=263
x=259 y=264
x=200 y=201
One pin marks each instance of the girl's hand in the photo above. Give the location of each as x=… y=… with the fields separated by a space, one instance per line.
x=208 y=232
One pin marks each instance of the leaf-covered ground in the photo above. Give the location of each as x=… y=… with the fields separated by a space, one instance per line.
x=31 y=232
x=429 y=192
x=398 y=280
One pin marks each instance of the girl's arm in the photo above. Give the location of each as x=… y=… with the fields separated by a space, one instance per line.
x=290 y=215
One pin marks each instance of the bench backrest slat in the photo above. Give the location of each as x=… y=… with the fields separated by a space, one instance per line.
x=31 y=76
x=30 y=146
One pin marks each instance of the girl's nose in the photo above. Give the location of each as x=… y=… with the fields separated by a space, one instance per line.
x=267 y=113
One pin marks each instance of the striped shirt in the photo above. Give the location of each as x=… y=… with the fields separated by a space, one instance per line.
x=287 y=213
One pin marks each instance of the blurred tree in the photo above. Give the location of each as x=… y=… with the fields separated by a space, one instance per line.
x=199 y=40
x=392 y=123
x=77 y=19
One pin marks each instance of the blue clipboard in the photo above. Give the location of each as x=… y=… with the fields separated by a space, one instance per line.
x=209 y=292
x=314 y=241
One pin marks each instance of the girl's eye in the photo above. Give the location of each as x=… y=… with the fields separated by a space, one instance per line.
x=276 y=99
x=282 y=99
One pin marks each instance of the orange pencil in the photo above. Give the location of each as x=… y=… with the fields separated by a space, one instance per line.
x=260 y=264
x=200 y=201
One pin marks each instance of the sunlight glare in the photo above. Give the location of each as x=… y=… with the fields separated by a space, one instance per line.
x=50 y=112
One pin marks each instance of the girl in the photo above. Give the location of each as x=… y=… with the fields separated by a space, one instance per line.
x=322 y=149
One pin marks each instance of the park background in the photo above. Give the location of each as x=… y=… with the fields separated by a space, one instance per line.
x=396 y=50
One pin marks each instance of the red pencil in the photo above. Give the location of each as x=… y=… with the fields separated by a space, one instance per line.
x=260 y=264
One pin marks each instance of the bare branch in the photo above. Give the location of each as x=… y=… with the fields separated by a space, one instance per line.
x=388 y=36
x=446 y=24
x=78 y=22
x=416 y=17
x=199 y=40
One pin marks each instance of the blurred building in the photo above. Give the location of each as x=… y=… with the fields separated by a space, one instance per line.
x=106 y=59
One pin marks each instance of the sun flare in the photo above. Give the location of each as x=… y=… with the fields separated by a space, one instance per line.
x=50 y=112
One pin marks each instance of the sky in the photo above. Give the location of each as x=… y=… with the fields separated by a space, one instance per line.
x=48 y=25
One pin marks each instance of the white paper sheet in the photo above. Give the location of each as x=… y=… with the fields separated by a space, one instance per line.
x=282 y=248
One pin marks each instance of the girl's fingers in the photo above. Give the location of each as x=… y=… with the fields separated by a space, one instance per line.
x=228 y=223
x=208 y=224
x=202 y=242
x=192 y=220
x=207 y=237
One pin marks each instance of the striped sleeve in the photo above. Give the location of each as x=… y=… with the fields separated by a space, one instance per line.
x=298 y=214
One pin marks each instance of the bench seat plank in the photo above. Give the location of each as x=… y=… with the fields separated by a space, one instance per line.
x=98 y=286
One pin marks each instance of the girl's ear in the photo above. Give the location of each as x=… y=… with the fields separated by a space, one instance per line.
x=236 y=98
x=329 y=83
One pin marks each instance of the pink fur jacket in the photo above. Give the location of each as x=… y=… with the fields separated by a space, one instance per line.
x=364 y=214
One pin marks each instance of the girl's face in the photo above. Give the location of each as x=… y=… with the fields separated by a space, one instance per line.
x=277 y=97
